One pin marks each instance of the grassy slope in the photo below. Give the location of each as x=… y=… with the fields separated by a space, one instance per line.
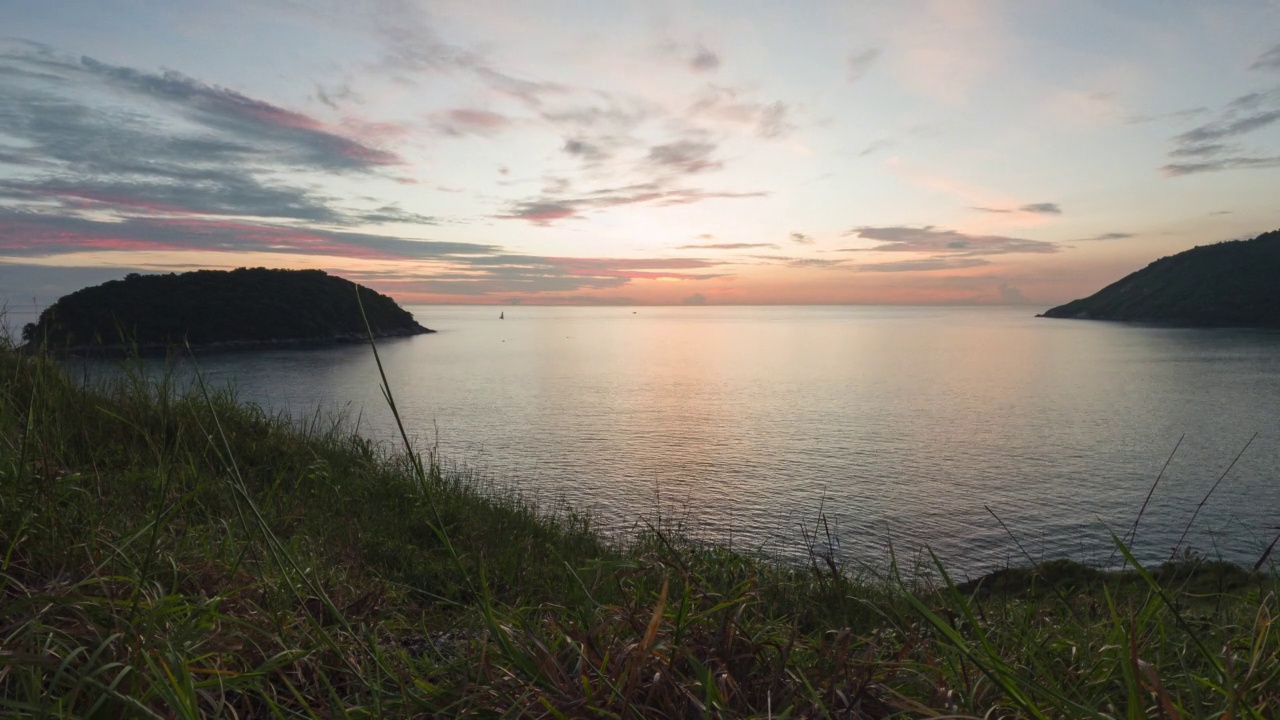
x=172 y=554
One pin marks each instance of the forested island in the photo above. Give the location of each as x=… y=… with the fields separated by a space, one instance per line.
x=217 y=309
x=1229 y=284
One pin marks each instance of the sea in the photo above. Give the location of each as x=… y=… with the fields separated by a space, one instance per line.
x=983 y=435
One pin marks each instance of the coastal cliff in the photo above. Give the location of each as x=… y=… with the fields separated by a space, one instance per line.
x=218 y=310
x=1229 y=284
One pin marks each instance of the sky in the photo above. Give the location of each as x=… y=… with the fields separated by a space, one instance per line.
x=563 y=152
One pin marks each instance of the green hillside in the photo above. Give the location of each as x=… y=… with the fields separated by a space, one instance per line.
x=237 y=308
x=1230 y=284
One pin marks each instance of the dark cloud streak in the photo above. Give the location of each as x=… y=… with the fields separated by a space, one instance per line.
x=455 y=268
x=726 y=246
x=1231 y=127
x=774 y=121
x=877 y=145
x=946 y=242
x=1175 y=115
x=412 y=47
x=1227 y=163
x=1269 y=60
x=923 y=265
x=94 y=136
x=223 y=109
x=32 y=234
x=704 y=60
x=470 y=121
x=546 y=210
x=1205 y=150
x=1206 y=146
x=1033 y=208
x=796 y=262
x=859 y=64
x=685 y=156
x=770 y=120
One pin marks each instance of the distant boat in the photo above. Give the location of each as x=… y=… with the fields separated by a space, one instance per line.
x=501 y=316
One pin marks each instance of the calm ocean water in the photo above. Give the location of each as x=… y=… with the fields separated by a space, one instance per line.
x=901 y=425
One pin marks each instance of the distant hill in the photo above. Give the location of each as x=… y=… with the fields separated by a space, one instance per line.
x=1230 y=284
x=218 y=309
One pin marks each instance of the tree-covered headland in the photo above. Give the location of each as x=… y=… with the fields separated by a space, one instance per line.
x=1229 y=284
x=248 y=307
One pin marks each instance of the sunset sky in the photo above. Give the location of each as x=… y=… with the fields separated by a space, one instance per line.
x=649 y=152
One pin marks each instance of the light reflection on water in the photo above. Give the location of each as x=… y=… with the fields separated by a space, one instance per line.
x=901 y=424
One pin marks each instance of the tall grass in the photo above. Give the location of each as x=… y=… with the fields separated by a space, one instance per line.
x=168 y=552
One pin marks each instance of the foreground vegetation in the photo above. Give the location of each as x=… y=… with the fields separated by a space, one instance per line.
x=167 y=552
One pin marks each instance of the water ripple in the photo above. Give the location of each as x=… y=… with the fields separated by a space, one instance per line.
x=902 y=425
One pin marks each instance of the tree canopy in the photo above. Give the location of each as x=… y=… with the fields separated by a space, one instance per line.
x=248 y=305
x=1229 y=284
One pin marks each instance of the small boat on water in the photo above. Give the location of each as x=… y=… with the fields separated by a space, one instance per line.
x=501 y=315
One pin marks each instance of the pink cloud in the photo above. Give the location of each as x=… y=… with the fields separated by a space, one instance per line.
x=469 y=121
x=610 y=264
x=642 y=275
x=99 y=197
x=35 y=234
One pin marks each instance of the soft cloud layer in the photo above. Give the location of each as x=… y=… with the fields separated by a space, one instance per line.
x=726 y=246
x=685 y=156
x=469 y=121
x=859 y=63
x=1108 y=236
x=1269 y=60
x=545 y=211
x=562 y=153
x=450 y=268
x=1033 y=208
x=946 y=242
x=1218 y=144
x=32 y=234
x=924 y=265
x=704 y=60
x=168 y=144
